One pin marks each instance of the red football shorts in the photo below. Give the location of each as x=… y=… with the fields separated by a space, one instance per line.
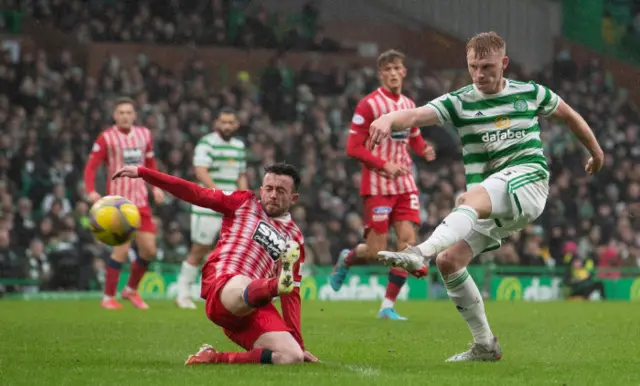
x=243 y=330
x=380 y=211
x=146 y=220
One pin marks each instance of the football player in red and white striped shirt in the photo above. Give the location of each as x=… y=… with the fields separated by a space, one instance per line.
x=257 y=258
x=388 y=187
x=119 y=145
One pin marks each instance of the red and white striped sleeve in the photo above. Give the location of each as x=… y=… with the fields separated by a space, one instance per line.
x=96 y=158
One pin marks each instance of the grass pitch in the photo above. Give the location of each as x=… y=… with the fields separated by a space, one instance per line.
x=77 y=343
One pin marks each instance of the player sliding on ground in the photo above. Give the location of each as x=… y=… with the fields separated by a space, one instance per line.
x=506 y=172
x=257 y=258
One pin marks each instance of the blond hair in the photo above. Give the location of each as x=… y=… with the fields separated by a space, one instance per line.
x=485 y=43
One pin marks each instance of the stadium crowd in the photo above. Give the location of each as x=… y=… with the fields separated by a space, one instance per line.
x=238 y=23
x=50 y=113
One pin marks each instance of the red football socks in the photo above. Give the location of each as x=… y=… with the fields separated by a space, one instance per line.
x=138 y=269
x=111 y=278
x=260 y=292
x=397 y=278
x=257 y=355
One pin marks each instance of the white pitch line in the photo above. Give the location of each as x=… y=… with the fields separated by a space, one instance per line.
x=362 y=370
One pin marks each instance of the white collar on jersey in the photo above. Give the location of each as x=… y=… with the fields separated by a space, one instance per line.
x=284 y=217
x=498 y=94
x=126 y=134
x=384 y=92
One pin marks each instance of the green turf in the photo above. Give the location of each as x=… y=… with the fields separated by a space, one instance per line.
x=77 y=343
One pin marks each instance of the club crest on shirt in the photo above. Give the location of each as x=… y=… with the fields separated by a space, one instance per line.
x=270 y=239
x=357 y=119
x=132 y=156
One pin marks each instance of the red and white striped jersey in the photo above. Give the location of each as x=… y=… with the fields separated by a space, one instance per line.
x=116 y=149
x=250 y=241
x=375 y=181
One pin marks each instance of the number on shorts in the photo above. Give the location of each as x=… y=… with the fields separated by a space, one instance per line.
x=415 y=203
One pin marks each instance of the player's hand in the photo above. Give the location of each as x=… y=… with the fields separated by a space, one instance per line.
x=158 y=195
x=429 y=152
x=394 y=169
x=127 y=171
x=92 y=197
x=594 y=164
x=308 y=357
x=379 y=130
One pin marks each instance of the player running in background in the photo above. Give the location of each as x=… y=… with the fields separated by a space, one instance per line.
x=256 y=259
x=219 y=163
x=120 y=145
x=506 y=171
x=388 y=187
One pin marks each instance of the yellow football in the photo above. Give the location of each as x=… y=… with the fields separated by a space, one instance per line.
x=114 y=220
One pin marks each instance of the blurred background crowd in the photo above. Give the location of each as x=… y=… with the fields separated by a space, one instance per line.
x=51 y=111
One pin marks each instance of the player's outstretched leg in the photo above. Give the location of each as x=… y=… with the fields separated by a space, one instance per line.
x=276 y=347
x=262 y=291
x=470 y=206
x=208 y=355
x=244 y=309
x=465 y=294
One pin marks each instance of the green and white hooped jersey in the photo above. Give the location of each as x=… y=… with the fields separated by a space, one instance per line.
x=225 y=160
x=499 y=130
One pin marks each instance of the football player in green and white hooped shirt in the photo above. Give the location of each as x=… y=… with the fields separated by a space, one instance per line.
x=506 y=171
x=219 y=162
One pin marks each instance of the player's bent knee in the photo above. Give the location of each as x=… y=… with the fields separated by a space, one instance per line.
x=454 y=258
x=478 y=198
x=446 y=261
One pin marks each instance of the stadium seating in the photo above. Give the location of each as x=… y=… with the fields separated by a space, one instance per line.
x=52 y=112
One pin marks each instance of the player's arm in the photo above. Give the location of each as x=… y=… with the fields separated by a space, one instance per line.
x=553 y=106
x=243 y=181
x=358 y=136
x=214 y=199
x=291 y=303
x=202 y=175
x=150 y=163
x=96 y=158
x=149 y=155
x=426 y=115
x=435 y=112
x=202 y=163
